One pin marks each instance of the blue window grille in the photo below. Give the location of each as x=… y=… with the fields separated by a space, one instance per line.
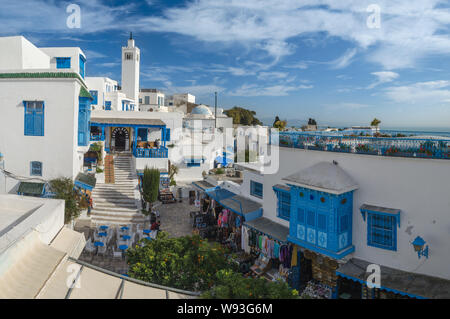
x=167 y=134
x=36 y=168
x=256 y=189
x=63 y=63
x=300 y=215
x=82 y=65
x=322 y=222
x=311 y=218
x=108 y=105
x=34 y=118
x=284 y=205
x=382 y=231
x=95 y=96
x=343 y=223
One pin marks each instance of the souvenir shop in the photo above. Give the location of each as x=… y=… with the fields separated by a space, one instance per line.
x=274 y=257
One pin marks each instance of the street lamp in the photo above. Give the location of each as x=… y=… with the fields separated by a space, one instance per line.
x=419 y=247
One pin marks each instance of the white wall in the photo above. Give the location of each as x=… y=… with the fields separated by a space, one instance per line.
x=17 y=53
x=101 y=85
x=72 y=53
x=419 y=187
x=57 y=149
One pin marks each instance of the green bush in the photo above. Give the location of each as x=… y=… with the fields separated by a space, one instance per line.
x=189 y=262
x=231 y=285
x=64 y=189
x=150 y=184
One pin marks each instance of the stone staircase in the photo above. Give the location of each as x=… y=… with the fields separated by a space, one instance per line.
x=116 y=203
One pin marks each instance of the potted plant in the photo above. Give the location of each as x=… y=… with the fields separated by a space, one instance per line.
x=365 y=149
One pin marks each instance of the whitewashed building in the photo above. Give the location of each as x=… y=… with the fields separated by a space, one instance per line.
x=347 y=210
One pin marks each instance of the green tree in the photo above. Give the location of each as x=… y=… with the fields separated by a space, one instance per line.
x=188 y=262
x=250 y=156
x=150 y=184
x=279 y=124
x=231 y=285
x=243 y=116
x=375 y=122
x=173 y=170
x=64 y=189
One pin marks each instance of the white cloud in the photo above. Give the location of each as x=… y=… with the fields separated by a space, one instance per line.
x=428 y=93
x=274 y=90
x=410 y=29
x=272 y=75
x=383 y=77
x=345 y=60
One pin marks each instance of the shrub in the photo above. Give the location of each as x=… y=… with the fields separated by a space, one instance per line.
x=150 y=184
x=64 y=189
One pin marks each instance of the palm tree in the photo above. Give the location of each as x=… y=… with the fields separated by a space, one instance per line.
x=375 y=122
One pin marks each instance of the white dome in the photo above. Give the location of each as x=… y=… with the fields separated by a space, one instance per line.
x=201 y=110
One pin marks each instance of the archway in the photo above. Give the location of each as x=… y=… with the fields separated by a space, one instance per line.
x=120 y=138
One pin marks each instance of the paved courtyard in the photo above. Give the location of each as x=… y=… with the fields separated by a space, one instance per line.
x=175 y=218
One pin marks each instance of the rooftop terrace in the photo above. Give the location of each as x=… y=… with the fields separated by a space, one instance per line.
x=438 y=148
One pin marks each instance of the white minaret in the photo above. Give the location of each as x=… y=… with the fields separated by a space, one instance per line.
x=130 y=71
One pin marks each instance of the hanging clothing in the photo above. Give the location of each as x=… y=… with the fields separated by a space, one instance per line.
x=276 y=250
x=294 y=256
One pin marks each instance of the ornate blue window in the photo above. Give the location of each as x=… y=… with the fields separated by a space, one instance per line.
x=381 y=231
x=382 y=225
x=284 y=204
x=108 y=105
x=95 y=96
x=256 y=189
x=36 y=168
x=34 y=118
x=63 y=63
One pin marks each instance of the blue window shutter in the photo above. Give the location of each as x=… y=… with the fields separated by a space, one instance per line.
x=36 y=169
x=29 y=121
x=108 y=105
x=95 y=96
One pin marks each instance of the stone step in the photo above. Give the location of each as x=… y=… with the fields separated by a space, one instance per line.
x=100 y=200
x=112 y=206
x=121 y=221
x=113 y=210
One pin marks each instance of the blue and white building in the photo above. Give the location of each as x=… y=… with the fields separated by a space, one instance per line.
x=350 y=212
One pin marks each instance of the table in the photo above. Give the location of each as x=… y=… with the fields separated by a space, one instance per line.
x=146 y=231
x=103 y=227
x=124 y=228
x=99 y=244
x=104 y=234
x=123 y=247
x=126 y=237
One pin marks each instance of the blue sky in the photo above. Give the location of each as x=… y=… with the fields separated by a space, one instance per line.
x=292 y=58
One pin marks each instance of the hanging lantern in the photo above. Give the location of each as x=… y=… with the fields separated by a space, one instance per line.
x=419 y=247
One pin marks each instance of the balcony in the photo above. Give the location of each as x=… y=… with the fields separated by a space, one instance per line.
x=161 y=152
x=376 y=146
x=97 y=137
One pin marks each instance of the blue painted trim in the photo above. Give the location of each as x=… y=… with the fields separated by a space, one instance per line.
x=322 y=251
x=83 y=185
x=124 y=125
x=382 y=287
x=397 y=215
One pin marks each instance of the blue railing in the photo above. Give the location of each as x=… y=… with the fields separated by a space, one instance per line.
x=160 y=152
x=97 y=137
x=382 y=146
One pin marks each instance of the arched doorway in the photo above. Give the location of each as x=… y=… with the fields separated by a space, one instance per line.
x=120 y=139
